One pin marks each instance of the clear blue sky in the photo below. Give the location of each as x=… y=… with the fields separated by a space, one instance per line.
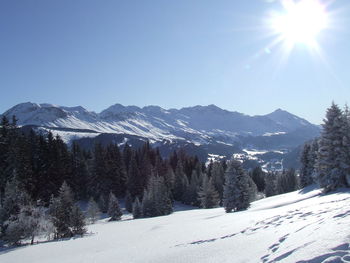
x=169 y=53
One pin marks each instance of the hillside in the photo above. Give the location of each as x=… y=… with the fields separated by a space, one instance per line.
x=200 y=130
x=296 y=227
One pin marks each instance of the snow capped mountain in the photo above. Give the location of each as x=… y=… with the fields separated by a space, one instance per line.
x=207 y=126
x=157 y=123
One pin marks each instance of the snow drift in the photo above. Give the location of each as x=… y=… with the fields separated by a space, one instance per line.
x=303 y=226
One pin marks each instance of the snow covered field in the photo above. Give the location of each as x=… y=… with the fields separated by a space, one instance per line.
x=294 y=227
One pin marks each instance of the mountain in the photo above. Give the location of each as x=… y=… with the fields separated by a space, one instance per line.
x=204 y=128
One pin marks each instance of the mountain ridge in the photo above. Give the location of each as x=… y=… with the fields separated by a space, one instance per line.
x=195 y=126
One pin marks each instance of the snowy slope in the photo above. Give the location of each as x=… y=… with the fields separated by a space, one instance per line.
x=294 y=227
x=198 y=124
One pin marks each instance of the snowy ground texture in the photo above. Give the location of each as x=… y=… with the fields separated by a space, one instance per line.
x=296 y=227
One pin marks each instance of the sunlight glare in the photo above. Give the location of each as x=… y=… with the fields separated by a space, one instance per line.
x=300 y=22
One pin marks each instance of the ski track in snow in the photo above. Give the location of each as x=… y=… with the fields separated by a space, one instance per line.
x=312 y=229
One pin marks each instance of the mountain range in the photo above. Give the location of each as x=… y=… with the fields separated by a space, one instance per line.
x=202 y=129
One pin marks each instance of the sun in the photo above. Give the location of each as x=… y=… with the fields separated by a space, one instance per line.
x=300 y=22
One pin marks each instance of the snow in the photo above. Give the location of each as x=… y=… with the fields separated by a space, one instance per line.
x=254 y=152
x=200 y=123
x=268 y=134
x=296 y=227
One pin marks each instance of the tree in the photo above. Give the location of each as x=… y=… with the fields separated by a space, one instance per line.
x=114 y=210
x=253 y=189
x=287 y=181
x=332 y=165
x=306 y=169
x=191 y=193
x=271 y=184
x=207 y=195
x=128 y=202
x=77 y=221
x=93 y=212
x=27 y=224
x=14 y=199
x=103 y=203
x=156 y=200
x=258 y=177
x=236 y=188
x=134 y=182
x=137 y=209
x=180 y=182
x=65 y=216
x=218 y=175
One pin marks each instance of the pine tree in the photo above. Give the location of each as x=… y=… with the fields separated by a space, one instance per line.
x=134 y=182
x=114 y=210
x=80 y=172
x=103 y=203
x=346 y=144
x=137 y=209
x=191 y=193
x=306 y=169
x=313 y=159
x=331 y=162
x=93 y=212
x=207 y=195
x=287 y=181
x=236 y=188
x=128 y=202
x=156 y=200
x=77 y=221
x=27 y=224
x=271 y=184
x=115 y=174
x=14 y=199
x=61 y=212
x=180 y=182
x=258 y=177
x=218 y=175
x=253 y=190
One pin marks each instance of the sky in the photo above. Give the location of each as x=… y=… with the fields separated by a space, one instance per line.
x=169 y=53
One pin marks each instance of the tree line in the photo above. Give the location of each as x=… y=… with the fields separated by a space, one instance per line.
x=41 y=180
x=326 y=160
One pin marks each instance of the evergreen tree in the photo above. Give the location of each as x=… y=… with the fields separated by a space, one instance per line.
x=14 y=199
x=271 y=184
x=180 y=182
x=191 y=193
x=332 y=166
x=236 y=188
x=313 y=159
x=156 y=200
x=103 y=203
x=80 y=172
x=114 y=210
x=253 y=189
x=115 y=174
x=77 y=221
x=306 y=169
x=134 y=182
x=137 y=209
x=218 y=175
x=61 y=212
x=169 y=177
x=258 y=177
x=207 y=195
x=287 y=181
x=93 y=212
x=99 y=186
x=128 y=202
x=346 y=144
